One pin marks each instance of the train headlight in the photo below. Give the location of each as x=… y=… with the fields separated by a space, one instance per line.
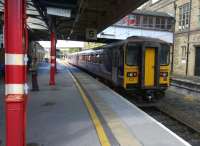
x=131 y=74
x=164 y=74
x=135 y=74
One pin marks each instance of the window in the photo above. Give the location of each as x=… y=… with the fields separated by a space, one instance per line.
x=164 y=55
x=199 y=17
x=169 y=24
x=163 y=23
x=151 y=22
x=137 y=20
x=184 y=52
x=89 y=58
x=132 y=53
x=160 y=23
x=145 y=21
x=184 y=14
x=148 y=21
x=100 y=58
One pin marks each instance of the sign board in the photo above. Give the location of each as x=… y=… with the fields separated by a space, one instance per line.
x=59 y=12
x=91 y=34
x=129 y=20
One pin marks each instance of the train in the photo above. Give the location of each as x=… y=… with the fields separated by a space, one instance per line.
x=137 y=64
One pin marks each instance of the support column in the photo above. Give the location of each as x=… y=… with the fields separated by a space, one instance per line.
x=15 y=64
x=53 y=59
x=26 y=37
x=26 y=46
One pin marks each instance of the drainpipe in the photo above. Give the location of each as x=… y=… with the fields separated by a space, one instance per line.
x=174 y=30
x=188 y=40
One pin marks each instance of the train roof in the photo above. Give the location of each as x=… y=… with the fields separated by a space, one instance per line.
x=129 y=39
x=133 y=39
x=146 y=39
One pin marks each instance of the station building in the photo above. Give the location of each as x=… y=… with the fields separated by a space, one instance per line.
x=186 y=51
x=142 y=23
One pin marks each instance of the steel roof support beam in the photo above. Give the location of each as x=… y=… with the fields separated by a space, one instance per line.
x=58 y=5
x=15 y=79
x=78 y=15
x=41 y=12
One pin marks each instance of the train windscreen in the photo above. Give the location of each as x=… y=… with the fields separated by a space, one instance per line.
x=132 y=53
x=164 y=55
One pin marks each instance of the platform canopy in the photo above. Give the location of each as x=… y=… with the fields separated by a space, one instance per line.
x=73 y=18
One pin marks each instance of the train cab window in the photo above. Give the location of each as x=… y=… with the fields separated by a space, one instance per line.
x=132 y=53
x=164 y=55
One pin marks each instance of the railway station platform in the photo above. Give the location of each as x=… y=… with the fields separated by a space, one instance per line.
x=81 y=111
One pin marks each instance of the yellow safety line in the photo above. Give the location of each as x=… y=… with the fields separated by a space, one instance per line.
x=98 y=126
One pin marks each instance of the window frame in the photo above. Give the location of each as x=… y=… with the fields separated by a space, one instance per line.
x=168 y=57
x=183 y=52
x=139 y=49
x=184 y=16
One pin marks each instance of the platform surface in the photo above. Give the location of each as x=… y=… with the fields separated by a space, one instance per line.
x=58 y=116
x=146 y=130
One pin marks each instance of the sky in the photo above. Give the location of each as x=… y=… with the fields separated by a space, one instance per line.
x=63 y=44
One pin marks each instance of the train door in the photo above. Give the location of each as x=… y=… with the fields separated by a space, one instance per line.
x=149 y=75
x=115 y=60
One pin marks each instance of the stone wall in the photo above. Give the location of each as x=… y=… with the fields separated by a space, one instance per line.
x=181 y=37
x=161 y=6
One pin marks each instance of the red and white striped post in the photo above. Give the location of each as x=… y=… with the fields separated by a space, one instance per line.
x=53 y=59
x=26 y=37
x=15 y=64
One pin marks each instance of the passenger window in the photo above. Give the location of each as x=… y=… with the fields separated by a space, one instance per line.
x=115 y=59
x=100 y=58
x=97 y=58
x=89 y=58
x=132 y=52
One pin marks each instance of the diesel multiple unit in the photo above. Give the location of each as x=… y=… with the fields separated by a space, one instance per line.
x=135 y=64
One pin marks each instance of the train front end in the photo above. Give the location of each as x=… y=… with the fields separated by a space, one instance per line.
x=146 y=67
